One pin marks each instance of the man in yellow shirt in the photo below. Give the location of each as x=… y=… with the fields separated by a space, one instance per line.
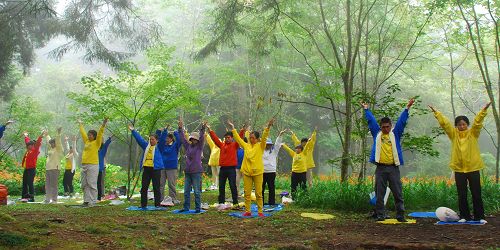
x=388 y=156
x=309 y=154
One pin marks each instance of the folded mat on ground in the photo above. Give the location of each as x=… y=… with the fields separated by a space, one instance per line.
x=317 y=216
x=240 y=215
x=148 y=208
x=267 y=208
x=471 y=222
x=423 y=215
x=394 y=221
x=178 y=211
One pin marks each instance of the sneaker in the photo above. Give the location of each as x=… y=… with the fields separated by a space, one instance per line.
x=53 y=202
x=236 y=207
x=167 y=202
x=205 y=206
x=247 y=214
x=401 y=219
x=85 y=204
x=462 y=220
x=483 y=221
x=176 y=202
x=46 y=202
x=261 y=215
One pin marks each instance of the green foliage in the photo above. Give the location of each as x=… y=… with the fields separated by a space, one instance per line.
x=8 y=239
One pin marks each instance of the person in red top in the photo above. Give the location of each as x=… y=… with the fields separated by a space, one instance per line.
x=29 y=164
x=228 y=161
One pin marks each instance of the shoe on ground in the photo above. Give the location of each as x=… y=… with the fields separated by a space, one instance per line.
x=85 y=204
x=205 y=206
x=176 y=202
x=247 y=214
x=53 y=202
x=261 y=215
x=462 y=220
x=401 y=219
x=483 y=221
x=46 y=202
x=167 y=202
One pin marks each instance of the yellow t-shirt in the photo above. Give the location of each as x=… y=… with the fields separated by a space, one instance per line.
x=386 y=156
x=69 y=164
x=149 y=157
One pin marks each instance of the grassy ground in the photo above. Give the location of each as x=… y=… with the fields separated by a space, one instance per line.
x=39 y=226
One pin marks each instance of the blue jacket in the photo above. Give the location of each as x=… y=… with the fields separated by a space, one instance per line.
x=158 y=160
x=102 y=153
x=2 y=128
x=397 y=130
x=240 y=154
x=169 y=153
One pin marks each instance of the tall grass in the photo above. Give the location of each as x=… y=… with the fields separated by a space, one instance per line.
x=419 y=194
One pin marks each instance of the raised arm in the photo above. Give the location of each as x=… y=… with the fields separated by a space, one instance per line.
x=202 y=134
x=372 y=122
x=289 y=150
x=478 y=120
x=59 y=147
x=265 y=134
x=38 y=142
x=401 y=123
x=183 y=133
x=444 y=123
x=106 y=145
x=83 y=133
x=295 y=139
x=138 y=137
x=100 y=133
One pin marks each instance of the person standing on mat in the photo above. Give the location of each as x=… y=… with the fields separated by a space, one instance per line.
x=252 y=167
x=2 y=128
x=299 y=168
x=228 y=161
x=169 y=144
x=52 y=168
x=213 y=162
x=90 y=162
x=466 y=160
x=70 y=166
x=309 y=155
x=270 y=159
x=29 y=164
x=151 y=165
x=103 y=150
x=194 y=169
x=387 y=155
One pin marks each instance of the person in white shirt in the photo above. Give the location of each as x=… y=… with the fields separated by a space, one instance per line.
x=270 y=158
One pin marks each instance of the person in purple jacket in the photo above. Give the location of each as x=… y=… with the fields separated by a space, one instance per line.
x=194 y=169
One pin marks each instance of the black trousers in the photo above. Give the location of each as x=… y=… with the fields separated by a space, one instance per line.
x=227 y=173
x=388 y=175
x=150 y=174
x=298 y=179
x=28 y=187
x=68 y=181
x=100 y=186
x=269 y=179
x=474 y=181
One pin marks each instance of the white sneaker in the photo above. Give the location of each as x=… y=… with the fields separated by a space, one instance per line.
x=205 y=206
x=167 y=202
x=483 y=221
x=177 y=202
x=462 y=221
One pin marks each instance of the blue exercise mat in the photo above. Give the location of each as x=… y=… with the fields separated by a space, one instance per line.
x=178 y=211
x=471 y=222
x=266 y=208
x=240 y=215
x=148 y=208
x=423 y=215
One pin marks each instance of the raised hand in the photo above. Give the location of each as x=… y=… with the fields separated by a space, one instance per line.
x=74 y=138
x=44 y=133
x=59 y=130
x=486 y=106
x=180 y=123
x=231 y=125
x=432 y=108
x=130 y=127
x=410 y=103
x=25 y=133
x=79 y=121
x=364 y=105
x=283 y=131
x=9 y=122
x=105 y=121
x=270 y=123
x=66 y=138
x=204 y=124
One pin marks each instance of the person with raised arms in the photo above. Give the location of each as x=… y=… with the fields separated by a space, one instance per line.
x=90 y=162
x=70 y=166
x=151 y=165
x=270 y=158
x=252 y=167
x=30 y=159
x=194 y=169
x=169 y=144
x=466 y=160
x=3 y=127
x=387 y=155
x=52 y=168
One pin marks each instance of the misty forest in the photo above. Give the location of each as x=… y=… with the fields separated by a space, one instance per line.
x=313 y=78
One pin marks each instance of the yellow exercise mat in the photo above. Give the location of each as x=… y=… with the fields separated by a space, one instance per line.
x=317 y=216
x=394 y=221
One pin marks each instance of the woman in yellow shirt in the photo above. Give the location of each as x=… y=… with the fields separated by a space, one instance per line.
x=252 y=167
x=299 y=166
x=466 y=160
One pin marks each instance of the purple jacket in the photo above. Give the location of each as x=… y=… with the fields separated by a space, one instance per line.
x=193 y=152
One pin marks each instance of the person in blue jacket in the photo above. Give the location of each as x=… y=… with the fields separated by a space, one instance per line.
x=240 y=154
x=102 y=168
x=387 y=155
x=169 y=144
x=151 y=164
x=2 y=128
